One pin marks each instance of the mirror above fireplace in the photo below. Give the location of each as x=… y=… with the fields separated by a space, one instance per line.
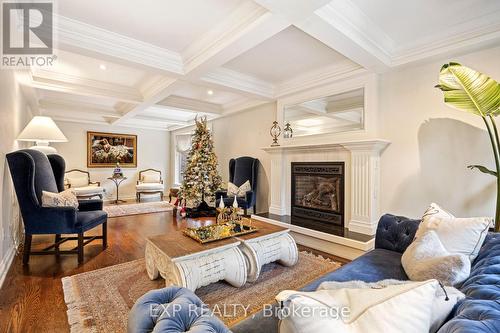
x=335 y=113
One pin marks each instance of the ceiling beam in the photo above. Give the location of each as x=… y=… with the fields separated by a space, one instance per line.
x=162 y=90
x=55 y=81
x=190 y=105
x=241 y=83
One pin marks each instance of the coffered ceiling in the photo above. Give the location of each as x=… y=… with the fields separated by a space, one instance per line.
x=158 y=63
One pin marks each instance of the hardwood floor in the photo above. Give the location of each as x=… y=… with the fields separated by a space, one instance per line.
x=31 y=299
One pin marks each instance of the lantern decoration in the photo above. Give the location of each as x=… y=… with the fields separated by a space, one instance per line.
x=287 y=131
x=275 y=133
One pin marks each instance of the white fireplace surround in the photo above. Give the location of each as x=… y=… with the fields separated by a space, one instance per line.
x=362 y=173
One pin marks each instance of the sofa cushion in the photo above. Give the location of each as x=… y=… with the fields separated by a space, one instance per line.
x=89 y=219
x=426 y=258
x=149 y=187
x=376 y=265
x=371 y=308
x=395 y=233
x=458 y=235
x=88 y=190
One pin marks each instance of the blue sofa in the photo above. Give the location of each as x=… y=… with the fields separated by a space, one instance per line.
x=478 y=313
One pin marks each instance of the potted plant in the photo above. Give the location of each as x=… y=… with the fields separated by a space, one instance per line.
x=468 y=90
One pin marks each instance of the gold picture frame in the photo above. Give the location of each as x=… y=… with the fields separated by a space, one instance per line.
x=104 y=150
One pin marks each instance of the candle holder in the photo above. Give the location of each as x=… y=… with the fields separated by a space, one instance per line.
x=287 y=131
x=275 y=132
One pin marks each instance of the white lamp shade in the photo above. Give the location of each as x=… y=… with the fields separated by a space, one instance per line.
x=42 y=129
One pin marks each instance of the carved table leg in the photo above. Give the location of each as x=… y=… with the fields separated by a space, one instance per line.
x=228 y=264
x=280 y=247
x=150 y=262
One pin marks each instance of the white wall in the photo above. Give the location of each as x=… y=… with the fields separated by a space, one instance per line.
x=243 y=134
x=14 y=115
x=152 y=152
x=432 y=143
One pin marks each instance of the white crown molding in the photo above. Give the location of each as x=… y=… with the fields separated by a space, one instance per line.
x=351 y=21
x=49 y=80
x=319 y=77
x=168 y=121
x=105 y=123
x=190 y=105
x=81 y=35
x=242 y=105
x=68 y=106
x=465 y=36
x=240 y=82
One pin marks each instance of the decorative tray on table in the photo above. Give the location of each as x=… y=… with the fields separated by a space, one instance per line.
x=215 y=232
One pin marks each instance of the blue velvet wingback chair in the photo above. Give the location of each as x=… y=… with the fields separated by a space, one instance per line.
x=242 y=169
x=33 y=172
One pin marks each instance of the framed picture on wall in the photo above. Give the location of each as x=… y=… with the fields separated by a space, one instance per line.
x=104 y=150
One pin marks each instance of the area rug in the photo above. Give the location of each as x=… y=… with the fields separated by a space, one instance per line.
x=100 y=300
x=138 y=208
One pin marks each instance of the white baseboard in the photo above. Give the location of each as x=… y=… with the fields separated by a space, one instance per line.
x=5 y=264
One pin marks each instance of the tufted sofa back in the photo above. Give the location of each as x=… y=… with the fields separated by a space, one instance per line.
x=480 y=311
x=395 y=233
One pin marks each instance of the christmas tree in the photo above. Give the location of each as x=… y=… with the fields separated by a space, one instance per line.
x=201 y=178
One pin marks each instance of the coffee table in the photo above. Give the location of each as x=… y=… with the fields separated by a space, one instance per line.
x=184 y=262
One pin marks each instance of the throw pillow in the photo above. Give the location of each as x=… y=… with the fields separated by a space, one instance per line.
x=458 y=235
x=78 y=181
x=151 y=178
x=66 y=198
x=233 y=190
x=426 y=258
x=439 y=307
x=370 y=310
x=435 y=210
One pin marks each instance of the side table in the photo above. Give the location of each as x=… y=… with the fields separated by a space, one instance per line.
x=117 y=181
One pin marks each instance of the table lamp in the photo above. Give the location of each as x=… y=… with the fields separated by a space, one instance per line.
x=42 y=130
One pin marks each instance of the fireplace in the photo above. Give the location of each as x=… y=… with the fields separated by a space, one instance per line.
x=318 y=193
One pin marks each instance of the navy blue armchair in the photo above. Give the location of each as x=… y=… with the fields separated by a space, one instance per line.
x=242 y=169
x=33 y=172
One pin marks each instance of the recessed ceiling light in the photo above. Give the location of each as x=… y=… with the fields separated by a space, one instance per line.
x=210 y=92
x=102 y=66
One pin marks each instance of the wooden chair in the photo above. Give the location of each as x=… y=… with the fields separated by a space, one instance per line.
x=150 y=182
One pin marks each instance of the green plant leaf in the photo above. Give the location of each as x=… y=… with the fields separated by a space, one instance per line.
x=468 y=90
x=483 y=169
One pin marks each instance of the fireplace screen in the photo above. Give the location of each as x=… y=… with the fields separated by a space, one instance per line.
x=318 y=191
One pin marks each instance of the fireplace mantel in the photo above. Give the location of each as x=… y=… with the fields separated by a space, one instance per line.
x=377 y=145
x=362 y=159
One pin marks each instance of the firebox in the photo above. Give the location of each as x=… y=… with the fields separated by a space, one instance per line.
x=318 y=192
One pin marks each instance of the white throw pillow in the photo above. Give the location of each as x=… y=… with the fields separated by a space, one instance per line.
x=66 y=198
x=397 y=308
x=81 y=181
x=151 y=178
x=233 y=190
x=437 y=211
x=439 y=307
x=458 y=235
x=426 y=258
